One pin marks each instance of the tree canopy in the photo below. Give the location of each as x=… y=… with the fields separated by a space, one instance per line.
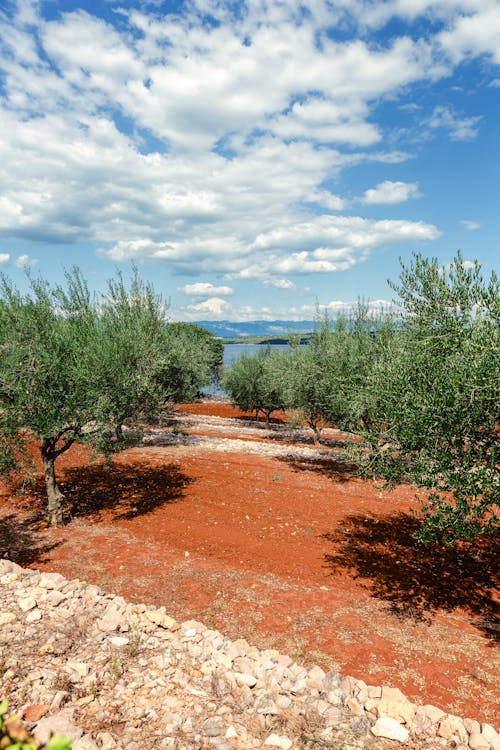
x=75 y=367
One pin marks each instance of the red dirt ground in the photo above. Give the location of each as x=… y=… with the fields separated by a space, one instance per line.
x=292 y=553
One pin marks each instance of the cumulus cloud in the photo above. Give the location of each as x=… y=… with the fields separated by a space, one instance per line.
x=204 y=288
x=461 y=128
x=214 y=307
x=470 y=225
x=4 y=258
x=391 y=192
x=207 y=147
x=24 y=261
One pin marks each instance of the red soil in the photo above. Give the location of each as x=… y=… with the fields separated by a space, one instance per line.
x=290 y=553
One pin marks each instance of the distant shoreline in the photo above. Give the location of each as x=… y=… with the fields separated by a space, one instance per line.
x=303 y=338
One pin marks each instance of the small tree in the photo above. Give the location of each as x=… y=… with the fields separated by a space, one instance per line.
x=436 y=395
x=72 y=365
x=254 y=382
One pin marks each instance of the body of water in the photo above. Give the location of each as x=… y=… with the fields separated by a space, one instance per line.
x=231 y=353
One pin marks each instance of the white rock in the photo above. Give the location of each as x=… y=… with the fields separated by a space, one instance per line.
x=27 y=603
x=79 y=667
x=84 y=743
x=391 y=729
x=478 y=742
x=34 y=615
x=245 y=679
x=231 y=733
x=489 y=733
x=51 y=581
x=276 y=740
x=119 y=641
x=60 y=723
x=7 y=617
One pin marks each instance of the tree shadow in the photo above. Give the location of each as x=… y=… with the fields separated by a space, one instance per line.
x=128 y=491
x=333 y=468
x=20 y=539
x=417 y=580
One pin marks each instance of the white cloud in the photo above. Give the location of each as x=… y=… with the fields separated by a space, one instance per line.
x=215 y=307
x=207 y=148
x=474 y=33
x=24 y=261
x=203 y=288
x=470 y=225
x=461 y=128
x=391 y=192
x=281 y=283
x=4 y=258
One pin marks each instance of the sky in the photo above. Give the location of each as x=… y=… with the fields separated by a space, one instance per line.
x=253 y=159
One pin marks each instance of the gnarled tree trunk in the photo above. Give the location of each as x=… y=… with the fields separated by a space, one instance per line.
x=55 y=498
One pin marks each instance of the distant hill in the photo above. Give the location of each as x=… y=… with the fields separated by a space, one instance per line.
x=270 y=328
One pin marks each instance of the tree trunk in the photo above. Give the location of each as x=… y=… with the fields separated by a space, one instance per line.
x=55 y=498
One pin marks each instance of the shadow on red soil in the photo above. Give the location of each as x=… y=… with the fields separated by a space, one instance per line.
x=20 y=539
x=128 y=491
x=418 y=579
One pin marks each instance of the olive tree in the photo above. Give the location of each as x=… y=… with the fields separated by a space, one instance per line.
x=71 y=365
x=255 y=382
x=436 y=395
x=194 y=360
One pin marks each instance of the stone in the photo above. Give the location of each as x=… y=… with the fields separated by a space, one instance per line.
x=29 y=602
x=394 y=695
x=354 y=707
x=51 y=581
x=472 y=725
x=276 y=740
x=85 y=743
x=54 y=598
x=245 y=679
x=106 y=741
x=162 y=620
x=119 y=641
x=402 y=711
x=434 y=714
x=452 y=726
x=35 y=712
x=112 y=620
x=7 y=617
x=315 y=678
x=231 y=733
x=390 y=729
x=79 y=667
x=478 y=741
x=61 y=723
x=489 y=733
x=212 y=729
x=34 y=615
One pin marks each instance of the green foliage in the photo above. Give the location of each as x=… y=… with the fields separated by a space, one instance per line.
x=75 y=367
x=435 y=397
x=13 y=734
x=194 y=360
x=255 y=383
x=327 y=379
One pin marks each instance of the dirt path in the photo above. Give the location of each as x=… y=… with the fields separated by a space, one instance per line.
x=260 y=534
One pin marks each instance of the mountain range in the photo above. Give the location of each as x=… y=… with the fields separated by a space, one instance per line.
x=230 y=329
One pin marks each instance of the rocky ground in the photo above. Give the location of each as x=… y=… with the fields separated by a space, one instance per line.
x=111 y=674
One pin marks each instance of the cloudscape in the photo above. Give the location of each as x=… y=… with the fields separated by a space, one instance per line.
x=254 y=158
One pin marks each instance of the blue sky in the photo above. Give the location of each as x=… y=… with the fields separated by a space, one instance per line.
x=253 y=159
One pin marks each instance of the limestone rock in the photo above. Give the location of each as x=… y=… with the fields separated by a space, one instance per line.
x=276 y=740
x=390 y=729
x=61 y=723
x=478 y=741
